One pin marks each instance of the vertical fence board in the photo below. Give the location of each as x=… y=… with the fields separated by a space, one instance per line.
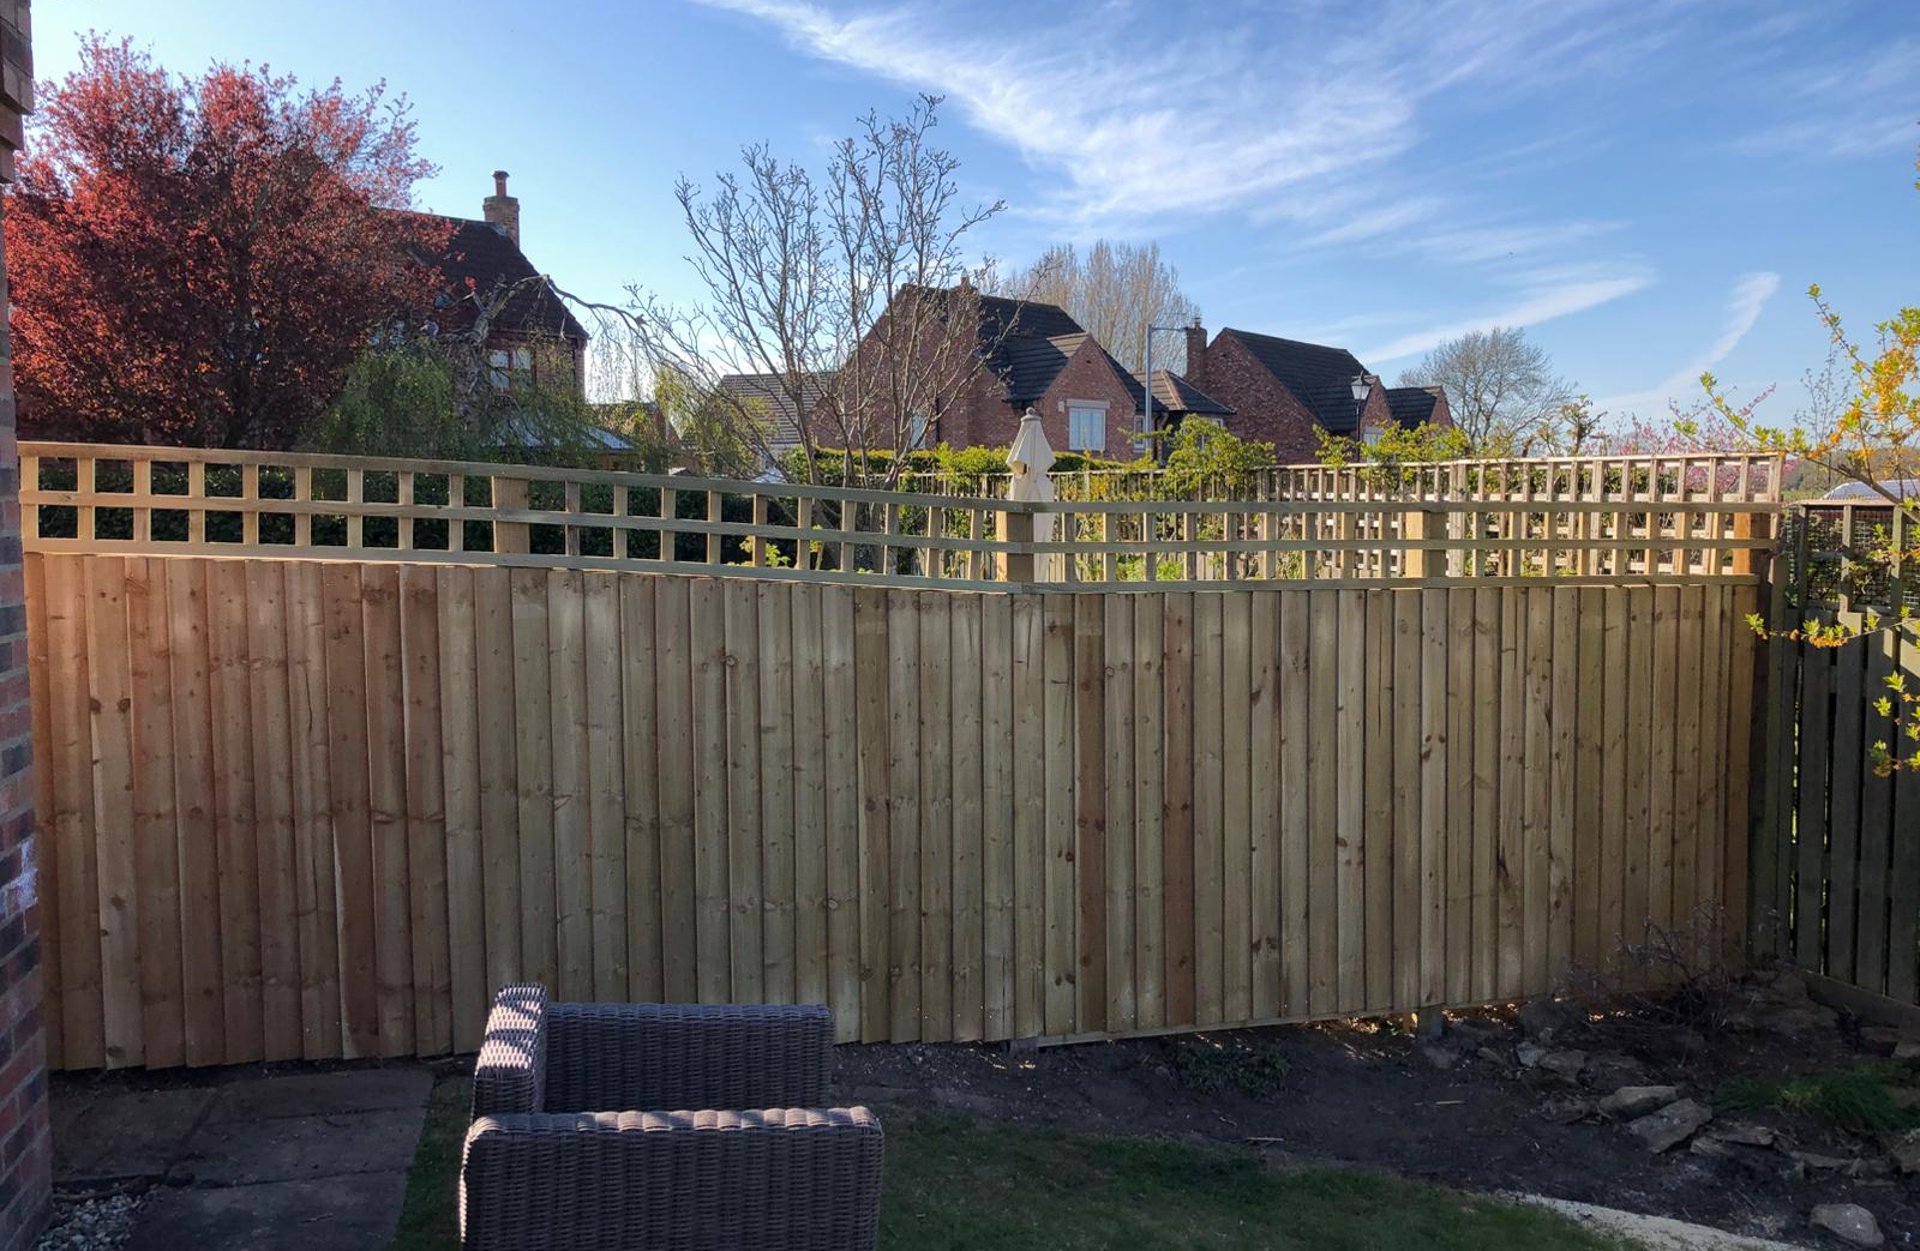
x=1489 y=870
x=840 y=763
x=1359 y=897
x=1000 y=864
x=1061 y=900
x=499 y=765
x=268 y=705
x=317 y=899
x=156 y=843
x=1028 y=777
x=1324 y=815
x=1563 y=713
x=873 y=678
x=426 y=821
x=386 y=713
x=1461 y=701
x=1089 y=813
x=1209 y=807
x=744 y=834
x=675 y=654
x=234 y=810
x=568 y=764
x=1435 y=751
x=352 y=828
x=1176 y=805
x=935 y=706
x=809 y=752
x=1236 y=847
x=902 y=624
x=967 y=925
x=533 y=775
x=772 y=731
x=117 y=903
x=1264 y=779
x=460 y=733
x=622 y=859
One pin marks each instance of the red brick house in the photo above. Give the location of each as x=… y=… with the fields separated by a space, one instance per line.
x=1284 y=392
x=1033 y=355
x=531 y=335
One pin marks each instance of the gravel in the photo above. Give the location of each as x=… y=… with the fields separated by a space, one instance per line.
x=90 y=1224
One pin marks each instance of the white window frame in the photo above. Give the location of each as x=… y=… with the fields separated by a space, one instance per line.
x=1094 y=411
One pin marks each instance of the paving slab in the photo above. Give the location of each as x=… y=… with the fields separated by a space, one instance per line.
x=124 y=1134
x=300 y=1148
x=294 y=1159
x=355 y=1213
x=304 y=1094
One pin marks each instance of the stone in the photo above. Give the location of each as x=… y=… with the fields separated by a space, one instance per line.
x=1633 y=1101
x=1546 y=1019
x=1529 y=1054
x=1906 y=1049
x=1610 y=1070
x=1817 y=1163
x=1671 y=1125
x=302 y=1148
x=1495 y=1056
x=1849 y=1222
x=1430 y=1025
x=1566 y=1110
x=1879 y=1039
x=1746 y=1135
x=1905 y=1150
x=1904 y=1096
x=1798 y=1020
x=1439 y=1056
x=1566 y=1064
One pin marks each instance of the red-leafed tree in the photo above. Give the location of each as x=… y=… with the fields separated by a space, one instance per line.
x=198 y=261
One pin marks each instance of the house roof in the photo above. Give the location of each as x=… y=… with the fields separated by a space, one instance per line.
x=772 y=390
x=1174 y=394
x=479 y=261
x=1412 y=406
x=1320 y=377
x=1029 y=365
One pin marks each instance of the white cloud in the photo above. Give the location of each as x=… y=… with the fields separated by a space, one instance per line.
x=1138 y=127
x=1542 y=301
x=1744 y=305
x=1861 y=106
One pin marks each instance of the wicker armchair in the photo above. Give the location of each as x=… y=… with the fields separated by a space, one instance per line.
x=725 y=1145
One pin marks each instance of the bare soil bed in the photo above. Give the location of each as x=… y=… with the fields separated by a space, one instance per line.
x=1499 y=1101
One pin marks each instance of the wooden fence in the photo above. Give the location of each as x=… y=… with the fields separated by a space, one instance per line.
x=1837 y=858
x=318 y=802
x=1707 y=477
x=80 y=498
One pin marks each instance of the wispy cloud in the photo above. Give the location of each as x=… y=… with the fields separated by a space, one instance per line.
x=1744 y=306
x=1306 y=132
x=1860 y=106
x=1549 y=297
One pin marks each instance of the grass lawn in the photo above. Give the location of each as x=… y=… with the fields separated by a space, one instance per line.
x=953 y=1182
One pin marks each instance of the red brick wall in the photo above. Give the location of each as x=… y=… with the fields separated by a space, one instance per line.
x=1262 y=408
x=1088 y=376
x=26 y=1153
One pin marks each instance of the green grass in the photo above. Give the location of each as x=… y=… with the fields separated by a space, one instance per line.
x=952 y=1182
x=1855 y=1099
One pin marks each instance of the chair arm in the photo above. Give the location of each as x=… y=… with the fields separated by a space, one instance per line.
x=510 y=1074
x=784 y=1178
x=650 y=1055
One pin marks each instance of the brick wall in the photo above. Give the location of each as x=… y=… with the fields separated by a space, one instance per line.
x=1262 y=408
x=26 y=1154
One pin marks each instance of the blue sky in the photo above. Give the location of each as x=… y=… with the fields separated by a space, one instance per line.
x=1649 y=188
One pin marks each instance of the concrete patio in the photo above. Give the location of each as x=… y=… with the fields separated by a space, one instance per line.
x=235 y=1164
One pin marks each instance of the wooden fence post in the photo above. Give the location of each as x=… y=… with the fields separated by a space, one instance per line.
x=1422 y=562
x=510 y=536
x=1016 y=568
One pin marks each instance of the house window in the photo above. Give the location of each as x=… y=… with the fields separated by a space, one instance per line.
x=919 y=431
x=1086 y=427
x=509 y=369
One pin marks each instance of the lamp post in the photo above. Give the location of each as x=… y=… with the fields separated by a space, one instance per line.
x=1146 y=417
x=1362 y=387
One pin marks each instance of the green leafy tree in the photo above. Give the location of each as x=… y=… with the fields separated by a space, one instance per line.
x=1203 y=456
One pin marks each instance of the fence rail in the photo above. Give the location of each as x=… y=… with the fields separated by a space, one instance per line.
x=98 y=499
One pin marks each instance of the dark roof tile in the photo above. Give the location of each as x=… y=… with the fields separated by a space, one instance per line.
x=1411 y=406
x=480 y=261
x=1321 y=377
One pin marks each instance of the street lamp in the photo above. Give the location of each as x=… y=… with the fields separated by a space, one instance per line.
x=1146 y=417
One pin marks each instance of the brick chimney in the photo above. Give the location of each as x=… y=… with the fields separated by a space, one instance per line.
x=1197 y=354
x=501 y=210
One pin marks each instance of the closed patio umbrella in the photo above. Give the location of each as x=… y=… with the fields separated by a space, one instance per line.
x=1030 y=458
